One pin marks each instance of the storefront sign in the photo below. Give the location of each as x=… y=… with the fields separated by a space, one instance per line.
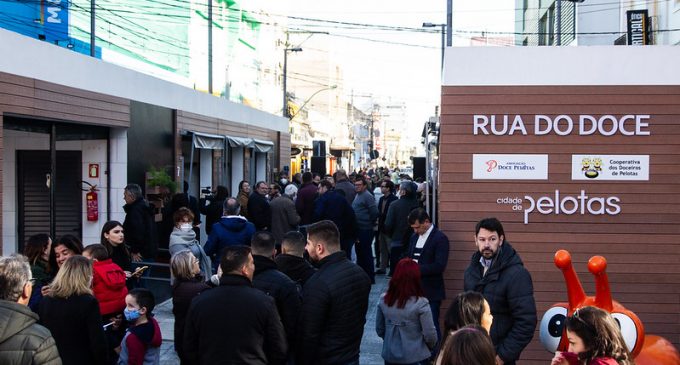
x=610 y=167
x=509 y=167
x=557 y=203
x=637 y=27
x=562 y=125
x=55 y=19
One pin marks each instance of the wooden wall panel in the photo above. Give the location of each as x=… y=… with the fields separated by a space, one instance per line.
x=641 y=244
x=35 y=98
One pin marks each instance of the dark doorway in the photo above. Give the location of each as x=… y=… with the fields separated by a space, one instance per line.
x=33 y=168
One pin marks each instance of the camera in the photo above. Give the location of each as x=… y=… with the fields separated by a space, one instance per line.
x=206 y=193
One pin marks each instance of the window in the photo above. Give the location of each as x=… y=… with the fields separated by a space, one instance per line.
x=546 y=28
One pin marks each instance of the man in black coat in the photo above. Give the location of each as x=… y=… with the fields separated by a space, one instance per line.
x=331 y=205
x=274 y=283
x=334 y=302
x=291 y=261
x=429 y=247
x=497 y=271
x=213 y=211
x=259 y=211
x=139 y=225
x=396 y=222
x=235 y=323
x=383 y=242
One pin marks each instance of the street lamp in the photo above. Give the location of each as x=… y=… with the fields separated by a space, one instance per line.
x=285 y=76
x=310 y=98
x=443 y=26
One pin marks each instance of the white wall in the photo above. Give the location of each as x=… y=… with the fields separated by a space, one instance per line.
x=93 y=151
x=236 y=169
x=598 y=16
x=261 y=162
x=595 y=65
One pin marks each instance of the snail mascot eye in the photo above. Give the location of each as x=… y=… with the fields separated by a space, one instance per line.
x=552 y=327
x=629 y=329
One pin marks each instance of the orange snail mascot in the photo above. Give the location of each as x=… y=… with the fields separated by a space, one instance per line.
x=646 y=349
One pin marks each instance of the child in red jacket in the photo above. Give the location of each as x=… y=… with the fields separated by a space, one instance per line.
x=108 y=284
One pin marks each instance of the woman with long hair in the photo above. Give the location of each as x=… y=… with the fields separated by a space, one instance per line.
x=64 y=247
x=243 y=196
x=594 y=339
x=467 y=308
x=469 y=345
x=404 y=319
x=113 y=238
x=37 y=250
x=183 y=237
x=188 y=284
x=71 y=313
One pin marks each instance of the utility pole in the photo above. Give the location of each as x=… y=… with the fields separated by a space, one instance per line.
x=210 y=48
x=92 y=44
x=449 y=22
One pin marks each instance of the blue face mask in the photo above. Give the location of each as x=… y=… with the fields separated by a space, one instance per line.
x=131 y=315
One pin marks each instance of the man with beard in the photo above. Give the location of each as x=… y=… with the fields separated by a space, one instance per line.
x=497 y=271
x=334 y=302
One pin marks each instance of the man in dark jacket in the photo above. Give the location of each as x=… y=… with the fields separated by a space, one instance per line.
x=342 y=183
x=305 y=199
x=213 y=211
x=429 y=247
x=259 y=211
x=332 y=205
x=497 y=271
x=231 y=230
x=383 y=243
x=22 y=340
x=235 y=323
x=396 y=222
x=284 y=215
x=291 y=261
x=334 y=302
x=139 y=225
x=275 y=283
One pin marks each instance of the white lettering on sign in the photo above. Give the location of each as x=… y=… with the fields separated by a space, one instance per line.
x=54 y=11
x=581 y=204
x=563 y=125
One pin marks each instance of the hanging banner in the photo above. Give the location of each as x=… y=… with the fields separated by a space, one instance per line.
x=55 y=19
x=638 y=34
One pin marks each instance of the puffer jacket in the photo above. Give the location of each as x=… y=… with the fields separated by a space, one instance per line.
x=108 y=286
x=285 y=292
x=229 y=231
x=334 y=305
x=22 y=340
x=508 y=288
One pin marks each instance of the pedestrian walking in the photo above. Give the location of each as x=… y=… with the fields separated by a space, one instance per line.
x=334 y=302
x=404 y=319
x=22 y=340
x=366 y=212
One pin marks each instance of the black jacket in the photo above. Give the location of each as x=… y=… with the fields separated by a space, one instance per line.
x=183 y=292
x=333 y=314
x=76 y=326
x=297 y=268
x=140 y=228
x=396 y=222
x=234 y=324
x=280 y=287
x=22 y=340
x=213 y=212
x=259 y=212
x=508 y=288
x=387 y=199
x=432 y=263
x=332 y=205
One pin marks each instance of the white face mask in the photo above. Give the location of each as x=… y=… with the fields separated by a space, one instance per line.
x=284 y=181
x=186 y=227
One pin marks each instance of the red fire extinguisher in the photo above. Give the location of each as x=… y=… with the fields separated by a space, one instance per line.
x=92 y=203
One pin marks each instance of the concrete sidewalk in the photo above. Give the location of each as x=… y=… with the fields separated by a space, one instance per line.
x=371 y=344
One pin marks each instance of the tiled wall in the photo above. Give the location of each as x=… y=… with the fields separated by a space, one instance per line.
x=93 y=152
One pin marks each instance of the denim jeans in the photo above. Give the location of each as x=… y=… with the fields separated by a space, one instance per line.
x=365 y=254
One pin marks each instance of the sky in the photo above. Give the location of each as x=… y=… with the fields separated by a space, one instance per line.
x=401 y=65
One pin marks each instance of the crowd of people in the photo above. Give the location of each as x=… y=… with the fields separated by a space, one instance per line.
x=283 y=278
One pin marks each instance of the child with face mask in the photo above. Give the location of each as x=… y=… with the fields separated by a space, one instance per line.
x=142 y=342
x=183 y=238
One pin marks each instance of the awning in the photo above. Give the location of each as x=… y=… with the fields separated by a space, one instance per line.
x=262 y=145
x=208 y=141
x=239 y=141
